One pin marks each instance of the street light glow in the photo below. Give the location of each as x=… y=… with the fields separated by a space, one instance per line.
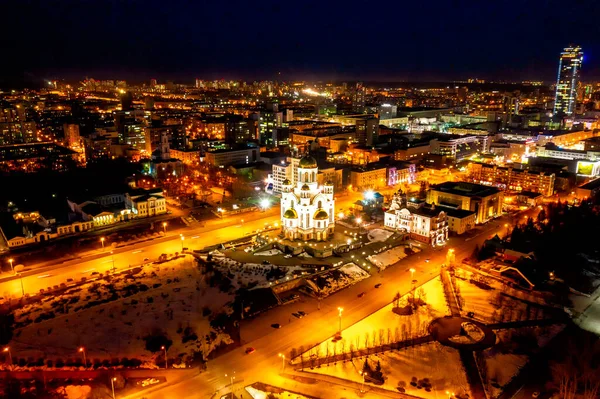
x=264 y=203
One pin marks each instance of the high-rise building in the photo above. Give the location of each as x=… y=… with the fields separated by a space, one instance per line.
x=367 y=131
x=72 y=137
x=568 y=78
x=358 y=99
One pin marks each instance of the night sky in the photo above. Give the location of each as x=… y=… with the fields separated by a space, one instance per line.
x=316 y=40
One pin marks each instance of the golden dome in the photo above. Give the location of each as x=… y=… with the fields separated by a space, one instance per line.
x=287 y=182
x=290 y=214
x=305 y=187
x=307 y=162
x=321 y=214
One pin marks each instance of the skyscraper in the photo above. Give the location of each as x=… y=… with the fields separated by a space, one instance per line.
x=568 y=78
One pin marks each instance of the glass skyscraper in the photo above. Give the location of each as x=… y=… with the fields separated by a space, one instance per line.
x=567 y=80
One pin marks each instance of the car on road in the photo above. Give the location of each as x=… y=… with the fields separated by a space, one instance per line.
x=301 y=312
x=150 y=381
x=276 y=325
x=535 y=394
x=361 y=294
x=250 y=350
x=146 y=259
x=377 y=285
x=427 y=260
x=287 y=256
x=297 y=315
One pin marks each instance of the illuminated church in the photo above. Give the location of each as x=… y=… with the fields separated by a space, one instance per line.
x=307 y=210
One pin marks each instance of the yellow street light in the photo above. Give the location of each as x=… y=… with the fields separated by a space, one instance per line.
x=102 y=241
x=340 y=310
x=11 y=260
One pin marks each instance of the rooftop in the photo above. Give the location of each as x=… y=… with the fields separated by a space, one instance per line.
x=591 y=185
x=465 y=189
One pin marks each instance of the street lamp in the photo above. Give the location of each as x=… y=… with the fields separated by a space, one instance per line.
x=164 y=348
x=82 y=350
x=165 y=227
x=412 y=273
x=506 y=226
x=232 y=377
x=7 y=349
x=282 y=356
x=362 y=387
x=340 y=310
x=112 y=384
x=102 y=241
x=11 y=260
x=182 y=239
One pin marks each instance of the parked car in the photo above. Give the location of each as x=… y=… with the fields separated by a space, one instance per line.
x=250 y=350
x=377 y=285
x=361 y=294
x=297 y=315
x=302 y=313
x=276 y=325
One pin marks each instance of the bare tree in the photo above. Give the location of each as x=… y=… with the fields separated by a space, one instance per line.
x=566 y=377
x=367 y=341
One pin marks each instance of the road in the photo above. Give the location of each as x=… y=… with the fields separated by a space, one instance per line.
x=265 y=365
x=213 y=232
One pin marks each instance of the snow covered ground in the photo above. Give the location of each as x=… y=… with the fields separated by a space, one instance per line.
x=111 y=318
x=254 y=274
x=385 y=325
x=441 y=365
x=492 y=306
x=256 y=393
x=379 y=235
x=389 y=257
x=270 y=252
x=334 y=280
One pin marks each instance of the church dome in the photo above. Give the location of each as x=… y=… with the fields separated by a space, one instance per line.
x=321 y=214
x=290 y=214
x=329 y=183
x=287 y=182
x=305 y=188
x=307 y=162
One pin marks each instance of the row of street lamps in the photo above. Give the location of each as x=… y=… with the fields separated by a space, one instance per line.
x=102 y=239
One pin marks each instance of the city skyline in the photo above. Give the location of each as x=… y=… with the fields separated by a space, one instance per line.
x=308 y=42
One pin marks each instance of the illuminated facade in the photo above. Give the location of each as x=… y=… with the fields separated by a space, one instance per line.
x=307 y=210
x=509 y=178
x=424 y=223
x=485 y=201
x=569 y=66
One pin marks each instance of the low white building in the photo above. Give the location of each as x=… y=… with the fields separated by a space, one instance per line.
x=146 y=203
x=423 y=222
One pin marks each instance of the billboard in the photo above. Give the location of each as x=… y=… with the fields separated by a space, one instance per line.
x=586 y=168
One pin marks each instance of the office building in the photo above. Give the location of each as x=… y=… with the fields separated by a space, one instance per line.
x=459 y=147
x=367 y=131
x=369 y=177
x=485 y=201
x=220 y=158
x=513 y=179
x=387 y=111
x=569 y=67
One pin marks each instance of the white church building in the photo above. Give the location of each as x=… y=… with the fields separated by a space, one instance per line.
x=307 y=210
x=423 y=222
